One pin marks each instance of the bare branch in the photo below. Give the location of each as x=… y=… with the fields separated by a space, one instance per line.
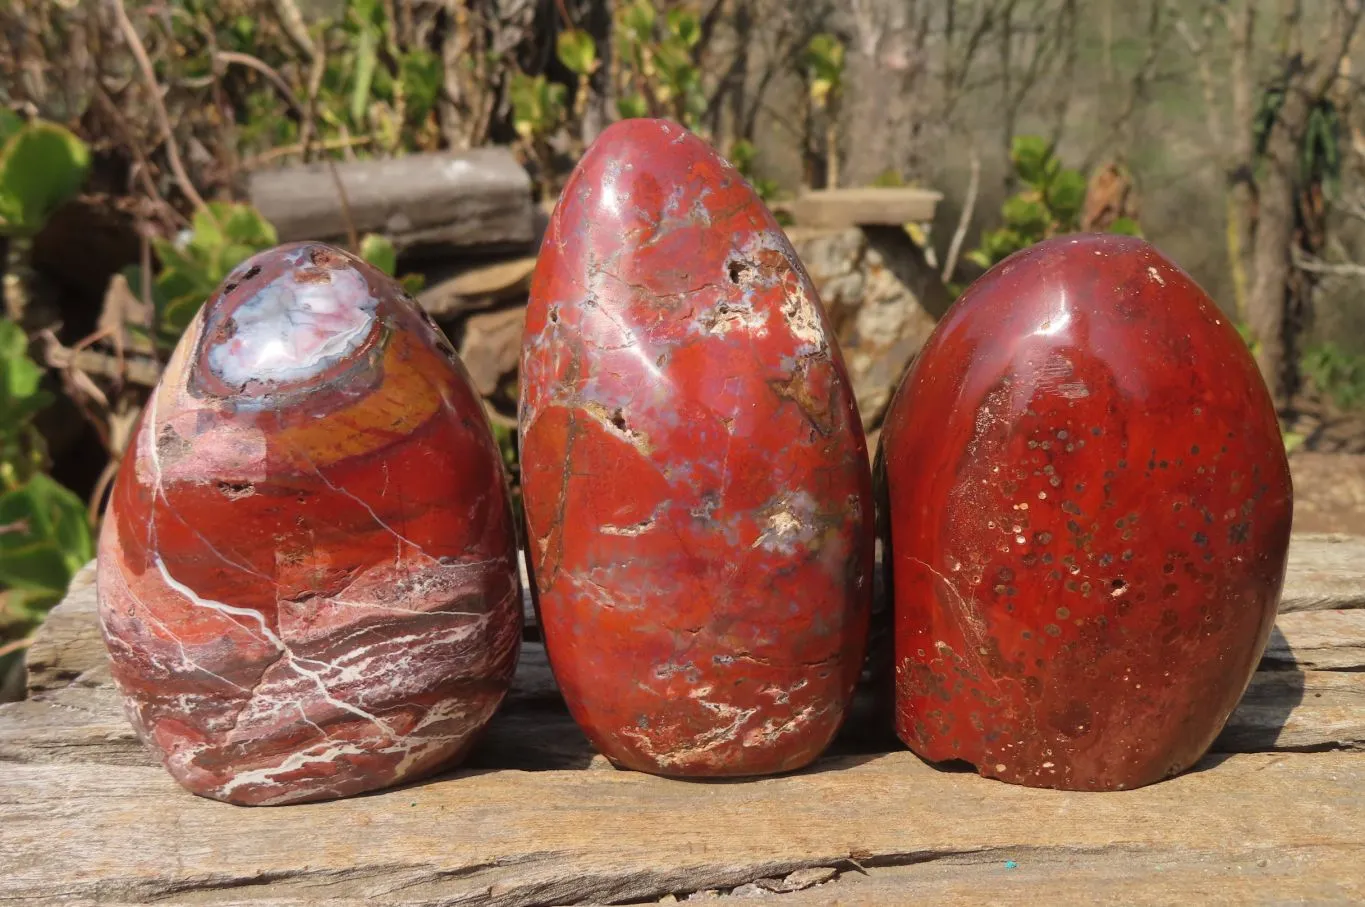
x=144 y=64
x=964 y=220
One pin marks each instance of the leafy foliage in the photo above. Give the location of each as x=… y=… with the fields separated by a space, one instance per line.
x=1050 y=204
x=196 y=262
x=1337 y=373
x=41 y=166
x=44 y=532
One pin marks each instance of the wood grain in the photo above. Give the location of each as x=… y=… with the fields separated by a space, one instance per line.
x=568 y=837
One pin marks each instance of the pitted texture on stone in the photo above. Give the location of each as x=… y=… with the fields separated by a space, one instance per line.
x=1089 y=513
x=697 y=491
x=307 y=573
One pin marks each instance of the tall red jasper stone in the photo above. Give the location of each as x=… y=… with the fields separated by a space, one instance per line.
x=1089 y=516
x=307 y=574
x=695 y=476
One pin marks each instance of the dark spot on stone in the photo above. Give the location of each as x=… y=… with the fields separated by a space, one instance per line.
x=235 y=491
x=325 y=258
x=1169 y=590
x=554 y=314
x=618 y=419
x=1168 y=568
x=1201 y=539
x=1237 y=533
x=740 y=271
x=1118 y=585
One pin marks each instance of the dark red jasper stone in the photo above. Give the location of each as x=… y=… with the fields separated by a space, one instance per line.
x=1089 y=512
x=698 y=498
x=307 y=573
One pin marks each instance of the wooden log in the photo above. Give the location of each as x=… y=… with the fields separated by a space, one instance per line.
x=1318 y=640
x=82 y=831
x=1326 y=572
x=453 y=200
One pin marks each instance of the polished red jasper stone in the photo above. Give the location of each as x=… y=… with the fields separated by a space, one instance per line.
x=697 y=493
x=1089 y=512
x=307 y=573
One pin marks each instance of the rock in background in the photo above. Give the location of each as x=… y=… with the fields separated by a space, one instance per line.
x=884 y=301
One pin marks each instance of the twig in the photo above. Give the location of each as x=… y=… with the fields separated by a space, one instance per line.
x=291 y=21
x=144 y=64
x=311 y=112
x=265 y=69
x=17 y=645
x=171 y=218
x=964 y=220
x=271 y=154
x=1306 y=262
x=352 y=236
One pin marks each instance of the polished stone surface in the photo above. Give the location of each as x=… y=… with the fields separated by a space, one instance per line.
x=307 y=573
x=1089 y=513
x=697 y=490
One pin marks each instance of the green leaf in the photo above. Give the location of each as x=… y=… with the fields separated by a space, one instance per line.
x=41 y=166
x=684 y=26
x=1031 y=155
x=422 y=75
x=1125 y=226
x=824 y=60
x=1065 y=197
x=412 y=283
x=10 y=123
x=577 y=52
x=245 y=225
x=379 y=251
x=20 y=378
x=537 y=105
x=742 y=155
x=366 y=58
x=637 y=20
x=632 y=105
x=1025 y=215
x=44 y=536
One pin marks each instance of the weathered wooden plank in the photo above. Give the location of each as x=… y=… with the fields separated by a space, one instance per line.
x=1326 y=572
x=68 y=644
x=839 y=208
x=513 y=838
x=1288 y=710
x=1242 y=876
x=1318 y=640
x=471 y=198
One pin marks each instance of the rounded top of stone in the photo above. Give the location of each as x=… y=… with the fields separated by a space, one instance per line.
x=288 y=317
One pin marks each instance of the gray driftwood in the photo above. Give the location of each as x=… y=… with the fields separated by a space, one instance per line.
x=447 y=201
x=1275 y=814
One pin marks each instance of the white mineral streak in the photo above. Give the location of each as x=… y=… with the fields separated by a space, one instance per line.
x=791 y=524
x=729 y=726
x=291 y=330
